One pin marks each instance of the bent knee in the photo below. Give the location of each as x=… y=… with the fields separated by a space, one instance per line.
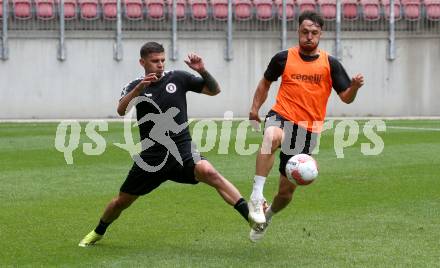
x=272 y=139
x=205 y=170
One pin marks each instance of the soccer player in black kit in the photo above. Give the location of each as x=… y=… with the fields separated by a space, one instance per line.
x=167 y=150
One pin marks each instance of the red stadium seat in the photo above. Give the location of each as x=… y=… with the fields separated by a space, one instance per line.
x=243 y=9
x=411 y=9
x=219 y=9
x=386 y=6
x=45 y=9
x=69 y=9
x=304 y=5
x=328 y=9
x=109 y=9
x=432 y=8
x=370 y=10
x=349 y=9
x=155 y=9
x=133 y=9
x=88 y=9
x=180 y=9
x=22 y=9
x=290 y=9
x=199 y=9
x=264 y=9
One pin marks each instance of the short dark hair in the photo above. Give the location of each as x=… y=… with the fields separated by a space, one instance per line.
x=312 y=16
x=151 y=47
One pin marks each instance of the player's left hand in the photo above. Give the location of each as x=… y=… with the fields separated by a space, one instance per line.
x=357 y=81
x=195 y=62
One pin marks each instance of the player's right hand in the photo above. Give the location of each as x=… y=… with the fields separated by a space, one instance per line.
x=255 y=120
x=148 y=79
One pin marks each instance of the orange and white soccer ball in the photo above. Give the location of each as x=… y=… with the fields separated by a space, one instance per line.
x=301 y=169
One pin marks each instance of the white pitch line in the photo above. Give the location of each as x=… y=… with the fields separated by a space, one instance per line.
x=415 y=128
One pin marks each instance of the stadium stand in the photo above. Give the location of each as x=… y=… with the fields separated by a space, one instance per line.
x=109 y=9
x=70 y=9
x=219 y=9
x=199 y=9
x=1 y=8
x=370 y=10
x=432 y=9
x=264 y=9
x=207 y=15
x=243 y=10
x=180 y=9
x=133 y=9
x=349 y=9
x=304 y=5
x=290 y=9
x=411 y=9
x=45 y=9
x=327 y=9
x=155 y=9
x=386 y=7
x=22 y=9
x=89 y=9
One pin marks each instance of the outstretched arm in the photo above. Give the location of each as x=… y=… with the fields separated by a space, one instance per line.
x=195 y=62
x=349 y=94
x=260 y=97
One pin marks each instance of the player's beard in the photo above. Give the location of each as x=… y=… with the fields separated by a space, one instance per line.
x=309 y=47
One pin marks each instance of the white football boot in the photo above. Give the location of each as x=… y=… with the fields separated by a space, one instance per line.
x=257 y=233
x=256 y=212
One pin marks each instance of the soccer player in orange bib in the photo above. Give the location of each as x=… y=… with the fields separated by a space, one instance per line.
x=308 y=75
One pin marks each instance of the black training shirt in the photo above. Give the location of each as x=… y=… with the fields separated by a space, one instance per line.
x=169 y=91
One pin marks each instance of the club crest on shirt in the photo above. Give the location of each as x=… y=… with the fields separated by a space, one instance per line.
x=171 y=88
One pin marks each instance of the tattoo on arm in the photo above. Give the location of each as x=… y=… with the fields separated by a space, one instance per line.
x=210 y=82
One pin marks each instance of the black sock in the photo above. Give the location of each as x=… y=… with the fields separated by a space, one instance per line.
x=242 y=207
x=102 y=227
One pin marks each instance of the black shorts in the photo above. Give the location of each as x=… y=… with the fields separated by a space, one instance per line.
x=140 y=181
x=297 y=140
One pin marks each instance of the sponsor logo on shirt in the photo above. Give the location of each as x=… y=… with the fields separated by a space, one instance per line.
x=312 y=79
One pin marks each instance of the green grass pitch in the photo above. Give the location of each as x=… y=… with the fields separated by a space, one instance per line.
x=363 y=211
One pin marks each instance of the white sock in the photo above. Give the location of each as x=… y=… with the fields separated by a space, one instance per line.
x=269 y=213
x=257 y=189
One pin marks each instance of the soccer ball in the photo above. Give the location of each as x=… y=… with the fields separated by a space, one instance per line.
x=301 y=169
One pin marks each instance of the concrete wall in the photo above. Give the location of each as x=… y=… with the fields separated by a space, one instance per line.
x=34 y=84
